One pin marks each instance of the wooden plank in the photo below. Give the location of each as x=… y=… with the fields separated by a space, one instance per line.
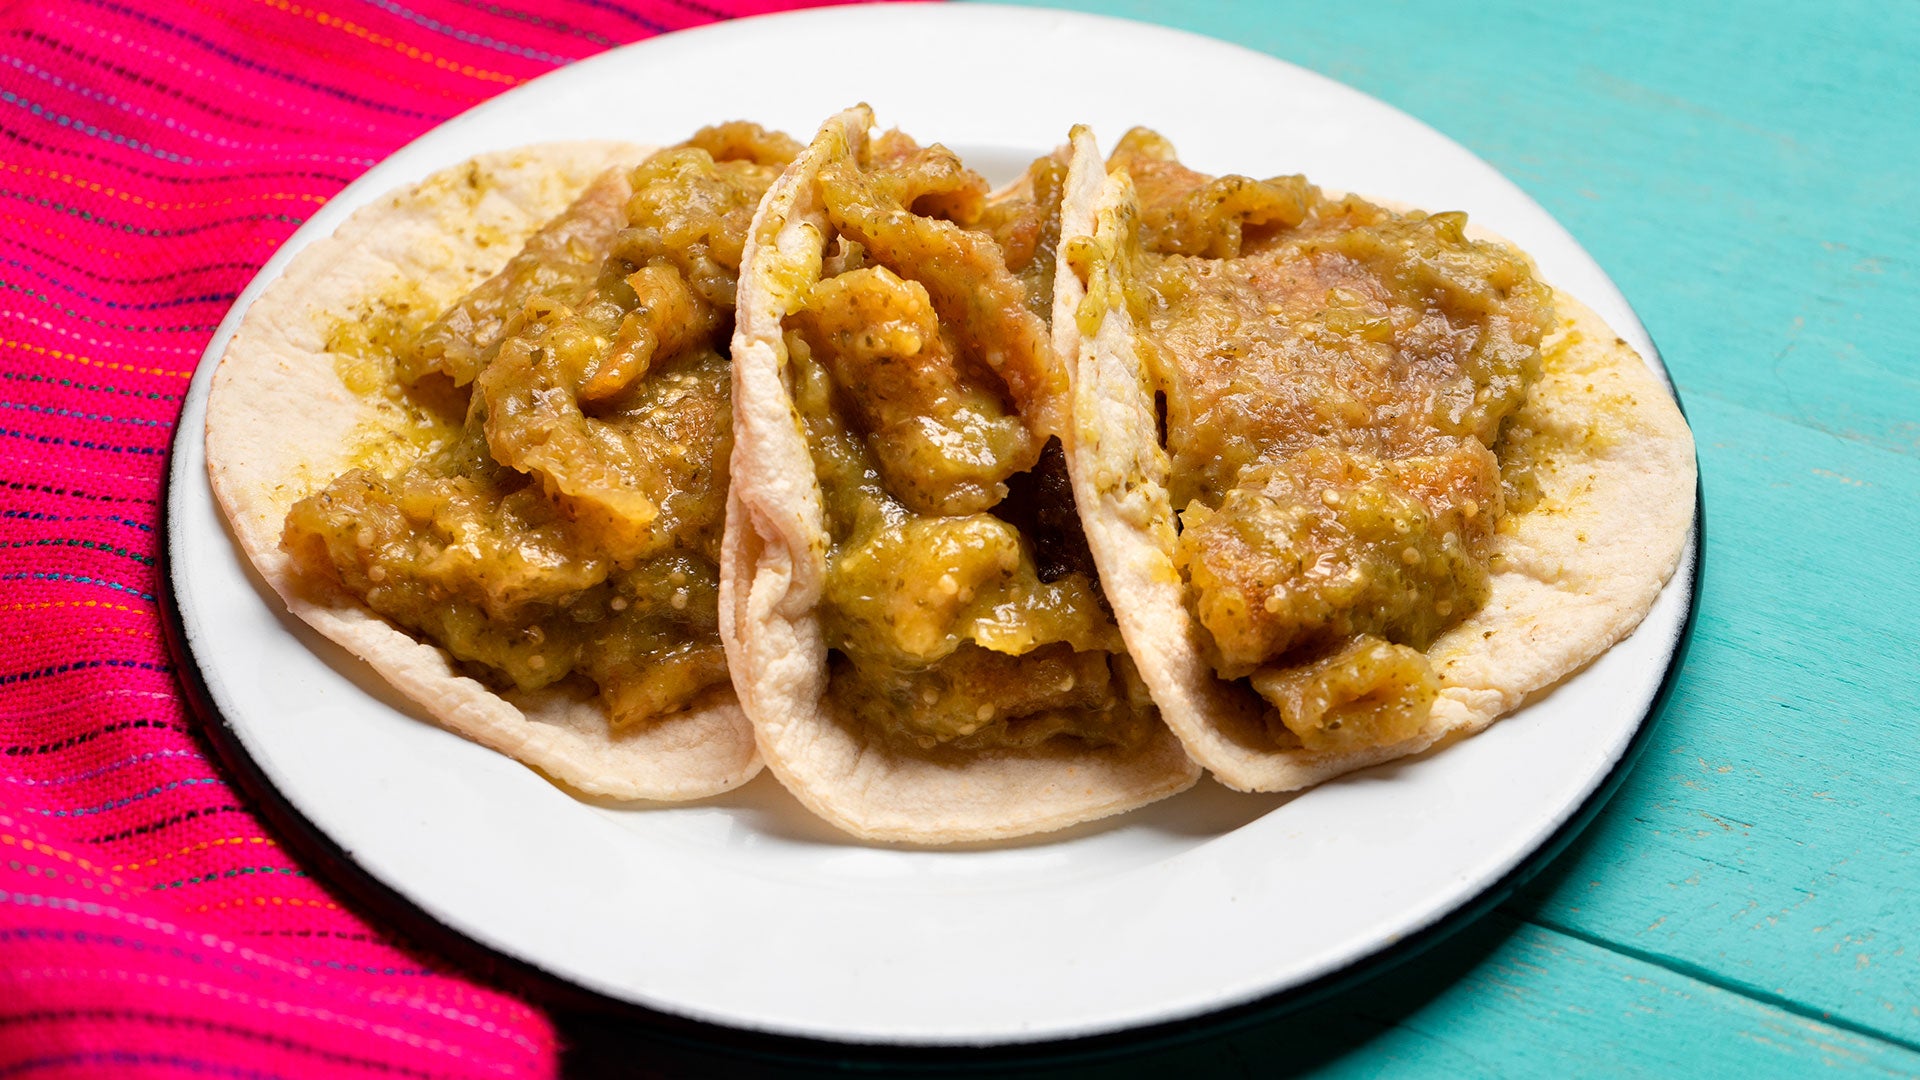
x=1514 y=1000
x=1507 y=999
x=1769 y=833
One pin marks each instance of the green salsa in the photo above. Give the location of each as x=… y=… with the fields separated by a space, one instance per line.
x=961 y=604
x=563 y=522
x=1334 y=378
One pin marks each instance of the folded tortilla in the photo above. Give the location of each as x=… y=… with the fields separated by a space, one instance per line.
x=773 y=575
x=1572 y=575
x=282 y=423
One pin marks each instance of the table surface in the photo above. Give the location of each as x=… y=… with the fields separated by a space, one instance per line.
x=1749 y=902
x=1746 y=903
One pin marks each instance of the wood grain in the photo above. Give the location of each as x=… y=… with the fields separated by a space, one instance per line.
x=1529 y=1002
x=1768 y=834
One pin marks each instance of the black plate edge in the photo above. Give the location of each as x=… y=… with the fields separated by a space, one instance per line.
x=380 y=904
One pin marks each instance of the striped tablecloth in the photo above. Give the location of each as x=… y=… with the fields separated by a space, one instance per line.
x=152 y=156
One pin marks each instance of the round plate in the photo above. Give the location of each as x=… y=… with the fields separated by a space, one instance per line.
x=743 y=910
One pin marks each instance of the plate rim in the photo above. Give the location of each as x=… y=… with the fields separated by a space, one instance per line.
x=568 y=1000
x=498 y=964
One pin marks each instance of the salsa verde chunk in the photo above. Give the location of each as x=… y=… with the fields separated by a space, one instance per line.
x=563 y=520
x=1334 y=378
x=960 y=603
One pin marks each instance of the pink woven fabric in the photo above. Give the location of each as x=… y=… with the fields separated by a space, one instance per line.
x=152 y=156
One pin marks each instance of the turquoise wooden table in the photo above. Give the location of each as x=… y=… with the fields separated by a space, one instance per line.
x=1749 y=902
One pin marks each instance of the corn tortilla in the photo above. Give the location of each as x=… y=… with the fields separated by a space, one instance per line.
x=281 y=423
x=773 y=572
x=1572 y=575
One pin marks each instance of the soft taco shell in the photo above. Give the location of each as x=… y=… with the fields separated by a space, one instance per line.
x=281 y=424
x=773 y=570
x=1573 y=575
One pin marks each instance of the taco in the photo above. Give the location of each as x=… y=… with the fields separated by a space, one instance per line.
x=1355 y=480
x=479 y=437
x=913 y=623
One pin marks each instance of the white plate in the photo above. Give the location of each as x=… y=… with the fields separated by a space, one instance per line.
x=744 y=911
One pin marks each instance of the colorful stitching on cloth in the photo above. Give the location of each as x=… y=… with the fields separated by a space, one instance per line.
x=154 y=156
